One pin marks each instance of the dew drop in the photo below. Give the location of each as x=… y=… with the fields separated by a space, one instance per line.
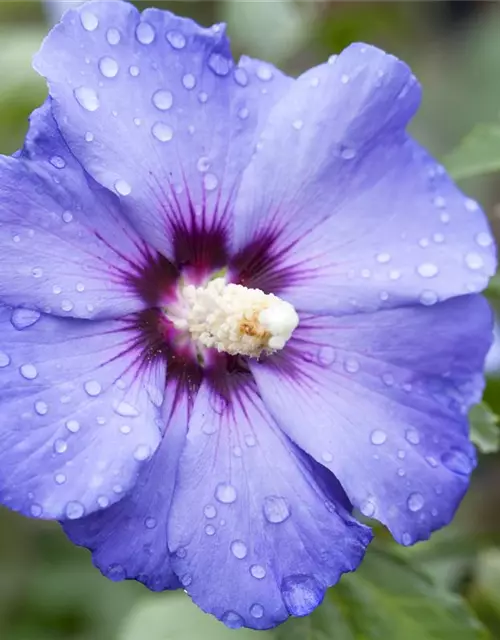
x=67 y=216
x=367 y=508
x=125 y=429
x=394 y=274
x=264 y=72
x=457 y=461
x=126 y=410
x=250 y=441
x=103 y=502
x=210 y=511
x=37 y=272
x=412 y=436
x=89 y=137
x=134 y=70
x=432 y=462
x=241 y=76
x=210 y=181
x=189 y=81
x=344 y=78
x=225 y=493
x=210 y=530
x=186 y=580
x=113 y=36
x=474 y=261
x=162 y=132
x=276 y=509
x=258 y=571
x=66 y=305
x=428 y=297
x=41 y=407
x=28 y=371
x=143 y=452
x=145 y=33
x=243 y=113
x=297 y=124
x=115 y=572
x=203 y=164
x=74 y=510
x=406 y=539
x=219 y=64
x=24 y=318
x=415 y=501
x=378 y=437
x=60 y=446
x=484 y=239
x=347 y=153
x=427 y=270
x=89 y=21
x=239 y=549
x=176 y=39
x=36 y=510
x=326 y=355
x=301 y=594
x=471 y=205
x=232 y=620
x=4 y=360
x=108 y=67
x=203 y=97
x=326 y=456
x=150 y=523
x=87 y=98
x=438 y=238
x=92 y=387
x=58 y=162
x=351 y=365
x=163 y=99
x=257 y=611
x=73 y=426
x=123 y=188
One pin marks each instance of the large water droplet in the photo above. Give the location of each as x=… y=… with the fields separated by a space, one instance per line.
x=60 y=446
x=225 y=493
x=176 y=39
x=239 y=549
x=232 y=620
x=108 y=67
x=123 y=188
x=457 y=461
x=162 y=131
x=28 y=371
x=415 y=501
x=74 y=510
x=89 y=21
x=326 y=355
x=24 y=318
x=126 y=410
x=4 y=360
x=163 y=99
x=92 y=387
x=378 y=437
x=219 y=64
x=87 y=98
x=276 y=509
x=73 y=426
x=145 y=33
x=301 y=594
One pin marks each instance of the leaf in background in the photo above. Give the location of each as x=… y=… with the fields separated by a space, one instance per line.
x=485 y=432
x=484 y=591
x=477 y=154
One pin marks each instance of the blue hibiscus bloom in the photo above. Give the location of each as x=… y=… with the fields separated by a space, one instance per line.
x=235 y=307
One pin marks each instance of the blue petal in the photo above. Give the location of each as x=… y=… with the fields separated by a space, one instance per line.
x=382 y=400
x=79 y=409
x=351 y=214
x=173 y=122
x=66 y=249
x=129 y=540
x=257 y=534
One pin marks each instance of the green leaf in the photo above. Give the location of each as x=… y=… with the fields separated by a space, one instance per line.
x=493 y=290
x=386 y=599
x=477 y=154
x=485 y=432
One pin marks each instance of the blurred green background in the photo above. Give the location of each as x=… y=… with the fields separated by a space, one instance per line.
x=49 y=589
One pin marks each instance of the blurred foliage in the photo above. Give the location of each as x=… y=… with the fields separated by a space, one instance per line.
x=49 y=589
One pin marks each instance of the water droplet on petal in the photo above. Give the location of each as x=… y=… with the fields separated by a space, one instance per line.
x=225 y=493
x=92 y=387
x=351 y=365
x=457 y=461
x=428 y=297
x=123 y=188
x=243 y=113
x=484 y=239
x=186 y=580
x=264 y=72
x=210 y=181
x=126 y=410
x=89 y=137
x=344 y=78
x=73 y=426
x=37 y=272
x=115 y=572
x=74 y=510
x=113 y=36
x=241 y=76
x=301 y=594
x=189 y=81
x=415 y=501
x=41 y=407
x=367 y=508
x=471 y=205
x=232 y=620
x=150 y=523
x=60 y=478
x=378 y=437
x=257 y=611
x=427 y=270
x=297 y=124
x=276 y=509
x=210 y=511
x=203 y=164
x=210 y=530
x=24 y=318
x=103 y=502
x=134 y=70
x=219 y=64
x=432 y=462
x=66 y=305
x=406 y=539
x=89 y=21
x=162 y=132
x=145 y=33
x=108 y=67
x=203 y=97
x=474 y=261
x=163 y=99
x=4 y=360
x=143 y=452
x=28 y=371
x=239 y=549
x=60 y=446
x=258 y=571
x=326 y=355
x=36 y=510
x=58 y=162
x=176 y=39
x=412 y=436
x=326 y=456
x=348 y=153
x=87 y=98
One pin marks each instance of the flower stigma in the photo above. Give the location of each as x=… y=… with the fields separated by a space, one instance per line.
x=232 y=318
